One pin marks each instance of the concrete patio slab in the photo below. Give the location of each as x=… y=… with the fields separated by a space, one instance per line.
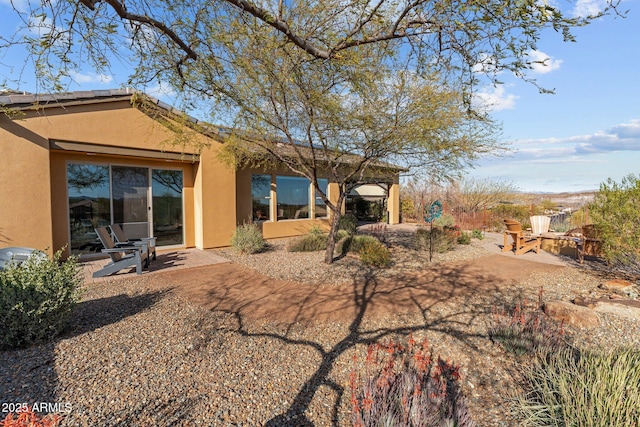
x=167 y=261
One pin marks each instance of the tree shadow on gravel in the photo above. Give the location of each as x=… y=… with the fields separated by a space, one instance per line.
x=369 y=295
x=28 y=375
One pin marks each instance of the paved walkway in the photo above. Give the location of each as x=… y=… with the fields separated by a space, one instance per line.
x=169 y=260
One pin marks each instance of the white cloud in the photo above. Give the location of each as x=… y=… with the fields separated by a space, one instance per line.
x=19 y=5
x=160 y=90
x=542 y=63
x=90 y=78
x=494 y=99
x=589 y=7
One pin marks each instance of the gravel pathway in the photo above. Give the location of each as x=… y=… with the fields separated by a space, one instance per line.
x=138 y=353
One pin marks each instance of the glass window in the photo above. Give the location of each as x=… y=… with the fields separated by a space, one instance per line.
x=260 y=197
x=293 y=197
x=321 y=207
x=89 y=205
x=167 y=206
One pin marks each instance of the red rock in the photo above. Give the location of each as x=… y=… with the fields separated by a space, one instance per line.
x=572 y=314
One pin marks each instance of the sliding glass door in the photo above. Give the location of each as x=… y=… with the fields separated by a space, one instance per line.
x=144 y=201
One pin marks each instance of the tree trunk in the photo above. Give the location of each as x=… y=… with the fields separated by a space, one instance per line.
x=333 y=233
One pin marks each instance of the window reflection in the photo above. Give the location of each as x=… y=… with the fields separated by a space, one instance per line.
x=293 y=197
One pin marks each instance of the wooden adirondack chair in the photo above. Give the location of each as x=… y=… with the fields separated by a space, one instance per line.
x=121 y=257
x=521 y=243
x=590 y=242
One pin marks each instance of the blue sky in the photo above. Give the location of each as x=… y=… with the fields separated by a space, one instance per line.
x=588 y=131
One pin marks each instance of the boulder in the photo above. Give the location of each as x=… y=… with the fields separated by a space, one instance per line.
x=623 y=308
x=618 y=285
x=572 y=314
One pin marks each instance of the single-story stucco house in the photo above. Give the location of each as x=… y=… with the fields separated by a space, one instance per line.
x=74 y=161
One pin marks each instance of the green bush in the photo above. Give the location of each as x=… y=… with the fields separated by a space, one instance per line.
x=349 y=223
x=308 y=243
x=464 y=238
x=375 y=253
x=477 y=234
x=615 y=212
x=248 y=239
x=356 y=243
x=315 y=231
x=444 y=220
x=441 y=240
x=520 y=213
x=582 y=388
x=36 y=298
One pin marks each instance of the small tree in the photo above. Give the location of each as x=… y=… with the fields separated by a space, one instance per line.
x=616 y=213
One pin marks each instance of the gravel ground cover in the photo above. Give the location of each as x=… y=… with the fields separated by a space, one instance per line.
x=138 y=353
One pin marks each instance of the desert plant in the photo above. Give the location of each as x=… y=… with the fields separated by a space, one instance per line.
x=349 y=223
x=582 y=388
x=406 y=386
x=315 y=231
x=441 y=240
x=308 y=243
x=379 y=231
x=375 y=253
x=444 y=220
x=477 y=234
x=464 y=239
x=248 y=239
x=36 y=299
x=28 y=418
x=357 y=242
x=524 y=328
x=520 y=213
x=615 y=211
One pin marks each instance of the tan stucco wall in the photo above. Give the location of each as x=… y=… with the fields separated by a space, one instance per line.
x=33 y=193
x=25 y=188
x=393 y=203
x=215 y=201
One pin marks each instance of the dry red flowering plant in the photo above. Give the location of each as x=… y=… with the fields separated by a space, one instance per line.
x=28 y=418
x=405 y=385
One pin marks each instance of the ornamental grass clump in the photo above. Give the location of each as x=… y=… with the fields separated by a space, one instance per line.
x=524 y=329
x=248 y=239
x=36 y=299
x=574 y=387
x=407 y=386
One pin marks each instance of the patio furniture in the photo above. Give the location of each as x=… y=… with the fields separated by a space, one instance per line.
x=589 y=243
x=521 y=243
x=121 y=256
x=16 y=255
x=539 y=224
x=122 y=238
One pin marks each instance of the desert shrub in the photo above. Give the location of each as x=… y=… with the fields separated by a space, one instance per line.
x=375 y=253
x=341 y=235
x=441 y=240
x=349 y=223
x=248 y=239
x=407 y=386
x=464 y=238
x=36 y=299
x=379 y=231
x=28 y=418
x=520 y=213
x=582 y=388
x=524 y=329
x=315 y=231
x=615 y=212
x=308 y=243
x=357 y=242
x=477 y=234
x=444 y=220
